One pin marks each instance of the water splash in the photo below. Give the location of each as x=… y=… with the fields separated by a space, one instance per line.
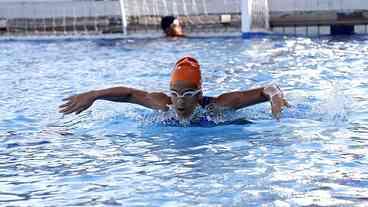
x=208 y=117
x=335 y=105
x=331 y=105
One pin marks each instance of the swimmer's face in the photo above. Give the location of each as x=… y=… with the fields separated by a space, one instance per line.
x=175 y=29
x=185 y=98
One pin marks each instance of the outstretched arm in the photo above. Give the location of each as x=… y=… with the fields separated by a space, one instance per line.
x=241 y=99
x=83 y=101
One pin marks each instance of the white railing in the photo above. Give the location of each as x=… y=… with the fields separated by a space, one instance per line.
x=124 y=23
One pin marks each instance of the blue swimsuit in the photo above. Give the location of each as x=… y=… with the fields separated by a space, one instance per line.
x=206 y=116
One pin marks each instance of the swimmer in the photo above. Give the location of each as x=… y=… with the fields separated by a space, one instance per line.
x=172 y=26
x=185 y=95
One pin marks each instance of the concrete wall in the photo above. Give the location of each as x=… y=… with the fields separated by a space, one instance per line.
x=317 y=5
x=319 y=17
x=28 y=1
x=25 y=16
x=181 y=7
x=286 y=16
x=61 y=8
x=10 y=10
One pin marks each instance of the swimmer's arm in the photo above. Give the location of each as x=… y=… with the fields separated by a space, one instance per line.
x=83 y=101
x=241 y=99
x=154 y=100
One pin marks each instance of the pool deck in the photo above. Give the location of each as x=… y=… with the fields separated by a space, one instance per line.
x=318 y=17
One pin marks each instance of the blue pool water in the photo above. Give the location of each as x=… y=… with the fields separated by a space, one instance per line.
x=120 y=154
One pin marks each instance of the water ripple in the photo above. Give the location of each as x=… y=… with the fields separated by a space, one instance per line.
x=119 y=154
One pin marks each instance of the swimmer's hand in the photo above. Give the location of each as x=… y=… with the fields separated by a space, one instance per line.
x=78 y=103
x=276 y=97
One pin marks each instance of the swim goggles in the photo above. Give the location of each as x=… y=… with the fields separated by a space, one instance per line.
x=185 y=94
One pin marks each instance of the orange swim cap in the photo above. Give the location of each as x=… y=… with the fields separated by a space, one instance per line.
x=187 y=69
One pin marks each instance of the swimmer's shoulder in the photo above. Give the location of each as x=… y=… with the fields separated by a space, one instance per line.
x=210 y=102
x=207 y=100
x=158 y=100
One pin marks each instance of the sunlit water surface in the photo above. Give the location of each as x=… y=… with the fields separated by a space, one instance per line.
x=120 y=154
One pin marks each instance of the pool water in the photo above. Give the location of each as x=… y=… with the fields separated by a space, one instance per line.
x=117 y=154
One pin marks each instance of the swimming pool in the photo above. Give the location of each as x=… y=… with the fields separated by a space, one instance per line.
x=120 y=154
